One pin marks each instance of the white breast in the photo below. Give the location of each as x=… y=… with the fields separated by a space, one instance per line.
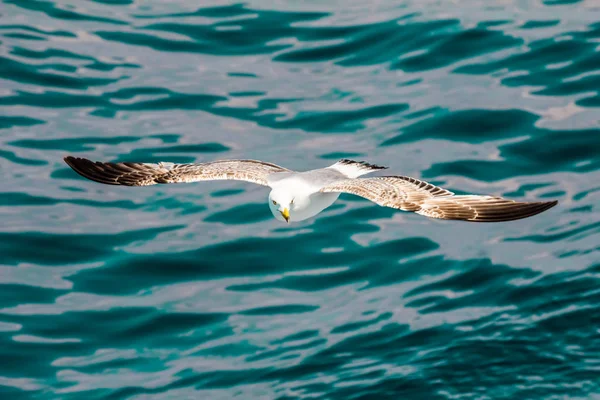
x=316 y=203
x=304 y=189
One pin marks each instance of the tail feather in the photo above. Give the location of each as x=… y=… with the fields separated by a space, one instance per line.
x=354 y=169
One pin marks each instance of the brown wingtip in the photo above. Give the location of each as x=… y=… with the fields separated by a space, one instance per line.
x=514 y=212
x=95 y=171
x=68 y=160
x=482 y=208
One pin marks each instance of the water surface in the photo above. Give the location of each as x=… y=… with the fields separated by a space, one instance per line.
x=195 y=291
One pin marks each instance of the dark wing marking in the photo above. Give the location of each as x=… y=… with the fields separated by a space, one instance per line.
x=354 y=169
x=410 y=194
x=145 y=174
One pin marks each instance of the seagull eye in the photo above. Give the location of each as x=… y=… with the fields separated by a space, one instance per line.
x=274 y=202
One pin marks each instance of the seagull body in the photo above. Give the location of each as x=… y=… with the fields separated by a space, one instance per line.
x=300 y=194
x=296 y=196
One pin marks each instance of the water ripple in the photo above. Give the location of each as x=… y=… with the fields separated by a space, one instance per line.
x=195 y=291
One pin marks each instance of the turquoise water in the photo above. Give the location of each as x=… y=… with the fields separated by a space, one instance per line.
x=195 y=291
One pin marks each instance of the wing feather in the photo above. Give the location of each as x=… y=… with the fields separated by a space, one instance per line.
x=401 y=192
x=145 y=174
x=410 y=194
x=482 y=208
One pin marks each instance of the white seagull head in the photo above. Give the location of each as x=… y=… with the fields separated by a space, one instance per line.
x=281 y=203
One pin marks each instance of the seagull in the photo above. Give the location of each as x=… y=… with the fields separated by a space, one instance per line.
x=296 y=196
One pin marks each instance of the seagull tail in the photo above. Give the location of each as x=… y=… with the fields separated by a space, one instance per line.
x=354 y=169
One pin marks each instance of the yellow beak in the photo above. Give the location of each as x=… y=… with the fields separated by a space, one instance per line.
x=286 y=214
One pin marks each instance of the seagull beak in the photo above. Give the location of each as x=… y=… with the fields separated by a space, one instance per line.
x=286 y=214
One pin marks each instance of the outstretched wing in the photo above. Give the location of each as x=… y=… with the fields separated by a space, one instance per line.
x=410 y=194
x=145 y=174
x=399 y=192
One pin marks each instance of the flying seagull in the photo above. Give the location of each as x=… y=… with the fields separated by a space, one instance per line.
x=296 y=196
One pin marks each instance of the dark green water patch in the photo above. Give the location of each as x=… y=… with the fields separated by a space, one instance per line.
x=12 y=121
x=472 y=126
x=60 y=249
